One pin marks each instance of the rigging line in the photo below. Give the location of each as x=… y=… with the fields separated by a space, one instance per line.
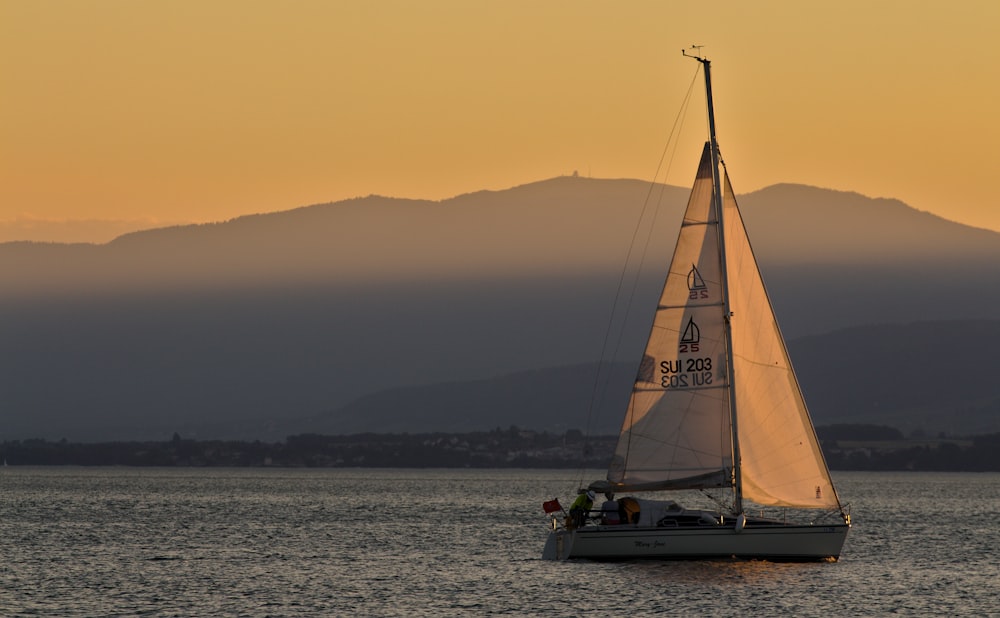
x=682 y=113
x=671 y=142
x=678 y=121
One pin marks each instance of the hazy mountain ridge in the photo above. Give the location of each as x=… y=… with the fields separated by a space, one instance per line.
x=929 y=376
x=552 y=399
x=939 y=376
x=855 y=227
x=252 y=322
x=562 y=226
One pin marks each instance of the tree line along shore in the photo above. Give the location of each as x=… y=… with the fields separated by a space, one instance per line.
x=846 y=447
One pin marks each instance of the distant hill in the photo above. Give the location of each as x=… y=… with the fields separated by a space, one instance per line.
x=928 y=376
x=227 y=329
x=555 y=400
x=564 y=227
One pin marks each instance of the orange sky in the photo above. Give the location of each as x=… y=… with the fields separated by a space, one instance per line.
x=206 y=110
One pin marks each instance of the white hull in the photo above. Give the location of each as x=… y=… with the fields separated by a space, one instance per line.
x=781 y=543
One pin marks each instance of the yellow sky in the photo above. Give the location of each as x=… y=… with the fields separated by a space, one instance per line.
x=205 y=110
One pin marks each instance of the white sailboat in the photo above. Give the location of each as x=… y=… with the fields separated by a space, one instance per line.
x=715 y=407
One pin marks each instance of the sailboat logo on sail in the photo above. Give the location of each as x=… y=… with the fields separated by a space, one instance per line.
x=690 y=338
x=696 y=285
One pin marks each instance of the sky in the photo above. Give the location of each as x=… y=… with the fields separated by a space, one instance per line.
x=150 y=113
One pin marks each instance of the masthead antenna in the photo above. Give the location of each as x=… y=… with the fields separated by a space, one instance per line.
x=697 y=53
x=707 y=64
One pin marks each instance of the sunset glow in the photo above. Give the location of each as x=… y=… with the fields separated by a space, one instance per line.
x=204 y=111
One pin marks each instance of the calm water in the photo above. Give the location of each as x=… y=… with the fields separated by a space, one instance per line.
x=261 y=542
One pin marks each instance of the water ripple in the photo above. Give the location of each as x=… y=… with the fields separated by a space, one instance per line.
x=262 y=542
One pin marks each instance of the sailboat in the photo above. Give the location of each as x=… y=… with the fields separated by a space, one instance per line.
x=715 y=407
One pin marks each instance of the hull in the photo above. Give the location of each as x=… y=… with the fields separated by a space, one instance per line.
x=779 y=543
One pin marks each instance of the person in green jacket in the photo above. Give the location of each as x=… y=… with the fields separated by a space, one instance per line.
x=580 y=508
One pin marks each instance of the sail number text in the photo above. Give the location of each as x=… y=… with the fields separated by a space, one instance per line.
x=685 y=372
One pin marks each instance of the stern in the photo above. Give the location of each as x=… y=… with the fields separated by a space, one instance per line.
x=558 y=545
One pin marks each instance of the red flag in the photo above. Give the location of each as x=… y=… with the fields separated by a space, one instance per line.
x=552 y=506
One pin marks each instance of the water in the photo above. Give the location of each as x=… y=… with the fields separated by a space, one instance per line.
x=264 y=542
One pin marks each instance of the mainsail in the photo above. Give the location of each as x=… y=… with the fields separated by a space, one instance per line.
x=678 y=430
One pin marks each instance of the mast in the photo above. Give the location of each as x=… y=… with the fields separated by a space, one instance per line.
x=727 y=308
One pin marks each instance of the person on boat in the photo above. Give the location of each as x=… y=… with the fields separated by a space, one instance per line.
x=628 y=510
x=580 y=508
x=609 y=513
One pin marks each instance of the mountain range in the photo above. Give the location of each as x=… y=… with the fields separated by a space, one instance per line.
x=379 y=313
